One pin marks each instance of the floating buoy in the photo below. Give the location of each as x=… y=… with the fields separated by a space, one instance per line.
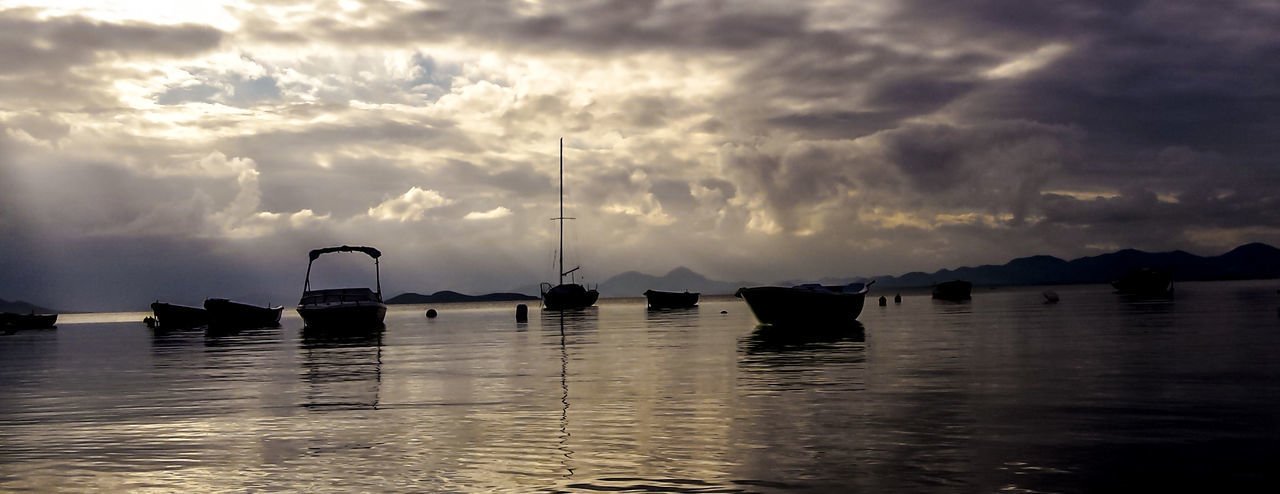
x=724 y=312
x=883 y=301
x=431 y=313
x=1050 y=297
x=522 y=313
x=897 y=299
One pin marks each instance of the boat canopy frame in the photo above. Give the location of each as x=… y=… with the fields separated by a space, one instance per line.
x=370 y=251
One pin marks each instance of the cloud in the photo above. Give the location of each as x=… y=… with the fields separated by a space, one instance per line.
x=843 y=137
x=410 y=206
x=498 y=212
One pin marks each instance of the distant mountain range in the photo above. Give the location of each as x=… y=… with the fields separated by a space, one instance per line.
x=1250 y=261
x=20 y=307
x=448 y=296
x=633 y=283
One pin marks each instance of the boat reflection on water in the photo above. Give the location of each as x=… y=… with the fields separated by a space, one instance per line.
x=342 y=368
x=224 y=336
x=571 y=321
x=790 y=338
x=785 y=365
x=682 y=317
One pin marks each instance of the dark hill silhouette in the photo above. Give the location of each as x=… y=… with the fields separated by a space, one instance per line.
x=634 y=283
x=20 y=307
x=447 y=296
x=1250 y=261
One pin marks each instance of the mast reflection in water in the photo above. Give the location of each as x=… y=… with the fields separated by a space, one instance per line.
x=569 y=322
x=1002 y=392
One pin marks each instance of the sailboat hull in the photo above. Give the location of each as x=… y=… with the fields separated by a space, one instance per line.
x=568 y=296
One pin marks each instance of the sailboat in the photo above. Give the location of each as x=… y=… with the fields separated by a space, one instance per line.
x=565 y=295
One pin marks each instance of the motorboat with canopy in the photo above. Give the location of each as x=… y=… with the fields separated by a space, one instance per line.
x=343 y=308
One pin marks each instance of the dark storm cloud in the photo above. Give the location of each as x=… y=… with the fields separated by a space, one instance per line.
x=294 y=176
x=30 y=44
x=1007 y=162
x=837 y=124
x=921 y=134
x=1144 y=73
x=598 y=26
x=62 y=63
x=519 y=179
x=674 y=195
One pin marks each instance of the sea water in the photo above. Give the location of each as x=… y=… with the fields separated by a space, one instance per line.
x=1002 y=393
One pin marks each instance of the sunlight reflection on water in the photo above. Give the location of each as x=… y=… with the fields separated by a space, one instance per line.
x=1002 y=392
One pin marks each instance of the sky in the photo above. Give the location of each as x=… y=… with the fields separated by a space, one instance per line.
x=183 y=150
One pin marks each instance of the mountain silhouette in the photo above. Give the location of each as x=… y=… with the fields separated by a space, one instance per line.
x=634 y=283
x=447 y=296
x=1250 y=261
x=20 y=307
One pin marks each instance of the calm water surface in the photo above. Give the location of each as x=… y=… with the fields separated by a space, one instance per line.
x=1004 y=392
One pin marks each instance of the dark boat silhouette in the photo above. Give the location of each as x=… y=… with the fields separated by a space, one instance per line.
x=224 y=313
x=174 y=316
x=342 y=308
x=806 y=304
x=1145 y=282
x=565 y=295
x=31 y=320
x=671 y=300
x=956 y=290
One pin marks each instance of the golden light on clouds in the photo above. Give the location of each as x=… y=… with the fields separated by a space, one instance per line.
x=699 y=135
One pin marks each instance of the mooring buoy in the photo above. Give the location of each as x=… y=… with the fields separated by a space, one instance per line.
x=431 y=313
x=522 y=313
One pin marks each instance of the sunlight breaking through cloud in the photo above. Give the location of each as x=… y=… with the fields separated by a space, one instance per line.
x=920 y=134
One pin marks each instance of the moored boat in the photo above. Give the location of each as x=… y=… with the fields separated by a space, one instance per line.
x=342 y=308
x=172 y=316
x=1145 y=282
x=956 y=290
x=565 y=295
x=659 y=299
x=32 y=320
x=806 y=304
x=226 y=313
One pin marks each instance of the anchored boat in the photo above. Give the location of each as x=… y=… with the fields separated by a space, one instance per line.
x=954 y=290
x=806 y=304
x=671 y=300
x=32 y=320
x=1145 y=282
x=565 y=295
x=224 y=313
x=175 y=316
x=343 y=308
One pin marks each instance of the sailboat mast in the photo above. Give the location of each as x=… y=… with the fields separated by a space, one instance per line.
x=561 y=270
